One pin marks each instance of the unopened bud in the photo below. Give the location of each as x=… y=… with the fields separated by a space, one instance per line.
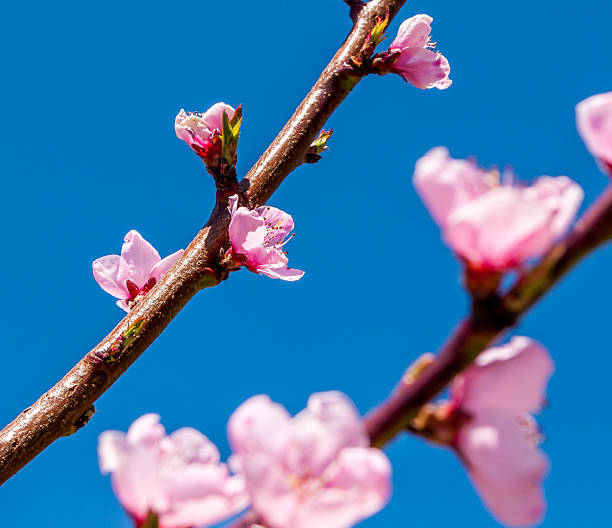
x=318 y=146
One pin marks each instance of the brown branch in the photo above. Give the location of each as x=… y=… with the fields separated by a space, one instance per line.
x=356 y=7
x=489 y=318
x=59 y=411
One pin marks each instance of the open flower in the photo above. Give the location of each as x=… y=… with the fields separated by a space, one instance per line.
x=134 y=273
x=417 y=62
x=258 y=237
x=491 y=225
x=499 y=441
x=198 y=130
x=314 y=469
x=177 y=477
x=594 y=121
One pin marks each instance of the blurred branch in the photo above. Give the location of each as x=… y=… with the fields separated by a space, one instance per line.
x=68 y=403
x=488 y=319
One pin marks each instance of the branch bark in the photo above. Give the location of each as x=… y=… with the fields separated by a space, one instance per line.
x=68 y=405
x=355 y=8
x=489 y=318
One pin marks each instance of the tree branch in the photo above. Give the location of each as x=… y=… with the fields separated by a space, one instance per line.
x=356 y=7
x=69 y=403
x=488 y=319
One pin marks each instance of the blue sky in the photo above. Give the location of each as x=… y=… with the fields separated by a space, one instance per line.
x=89 y=95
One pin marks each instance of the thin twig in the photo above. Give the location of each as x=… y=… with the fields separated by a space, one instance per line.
x=57 y=411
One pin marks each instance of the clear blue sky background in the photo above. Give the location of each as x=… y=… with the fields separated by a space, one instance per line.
x=89 y=95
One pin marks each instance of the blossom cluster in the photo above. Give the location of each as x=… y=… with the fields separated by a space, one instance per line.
x=314 y=469
x=317 y=468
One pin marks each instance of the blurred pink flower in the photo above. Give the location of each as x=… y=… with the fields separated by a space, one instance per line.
x=417 y=63
x=314 y=469
x=594 y=120
x=178 y=476
x=494 y=226
x=258 y=236
x=197 y=130
x=499 y=442
x=135 y=272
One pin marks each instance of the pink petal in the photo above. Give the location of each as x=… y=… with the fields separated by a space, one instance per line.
x=192 y=446
x=272 y=262
x=258 y=425
x=138 y=259
x=232 y=204
x=137 y=484
x=281 y=272
x=359 y=486
x=192 y=129
x=202 y=495
x=509 y=225
x=445 y=184
x=423 y=68
x=524 y=506
x=329 y=424
x=594 y=121
x=561 y=196
x=105 y=271
x=510 y=377
x=213 y=117
x=413 y=32
x=279 y=222
x=112 y=447
x=247 y=230
x=146 y=430
x=270 y=490
x=160 y=269
x=505 y=465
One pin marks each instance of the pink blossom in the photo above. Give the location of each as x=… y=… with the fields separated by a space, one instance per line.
x=594 y=120
x=135 y=272
x=258 y=236
x=314 y=469
x=499 y=442
x=418 y=63
x=178 y=476
x=492 y=225
x=198 y=130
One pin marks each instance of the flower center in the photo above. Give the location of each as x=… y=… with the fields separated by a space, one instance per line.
x=271 y=238
x=305 y=485
x=136 y=292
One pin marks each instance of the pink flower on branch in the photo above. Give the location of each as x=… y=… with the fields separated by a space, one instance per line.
x=258 y=237
x=494 y=226
x=594 y=121
x=416 y=61
x=177 y=477
x=499 y=441
x=135 y=272
x=200 y=130
x=314 y=469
